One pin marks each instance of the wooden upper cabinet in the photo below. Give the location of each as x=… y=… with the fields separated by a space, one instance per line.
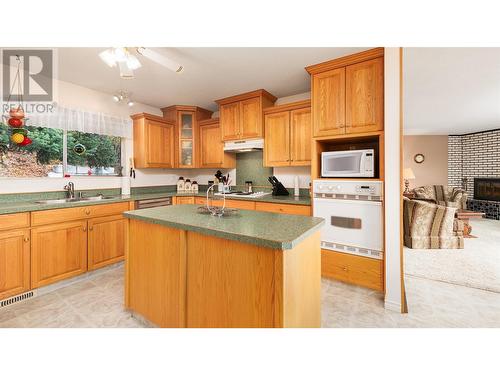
x=186 y=120
x=14 y=262
x=364 y=96
x=58 y=251
x=211 y=148
x=242 y=117
x=277 y=139
x=288 y=138
x=300 y=136
x=230 y=115
x=251 y=118
x=160 y=141
x=154 y=141
x=348 y=94
x=328 y=102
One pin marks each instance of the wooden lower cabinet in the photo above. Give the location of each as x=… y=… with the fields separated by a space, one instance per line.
x=106 y=241
x=280 y=208
x=58 y=251
x=14 y=262
x=180 y=278
x=184 y=200
x=353 y=269
x=233 y=203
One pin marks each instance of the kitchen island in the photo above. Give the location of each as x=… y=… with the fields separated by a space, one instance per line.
x=248 y=269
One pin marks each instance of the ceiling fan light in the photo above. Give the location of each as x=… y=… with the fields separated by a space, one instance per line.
x=160 y=59
x=108 y=57
x=133 y=63
x=130 y=103
x=121 y=54
x=125 y=71
x=116 y=98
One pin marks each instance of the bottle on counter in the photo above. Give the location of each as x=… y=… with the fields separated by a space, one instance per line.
x=180 y=185
x=248 y=186
x=187 y=185
x=194 y=187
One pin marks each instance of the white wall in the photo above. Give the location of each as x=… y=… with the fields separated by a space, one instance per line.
x=74 y=96
x=287 y=176
x=293 y=98
x=392 y=199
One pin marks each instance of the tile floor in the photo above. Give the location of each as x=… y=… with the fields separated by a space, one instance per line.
x=98 y=302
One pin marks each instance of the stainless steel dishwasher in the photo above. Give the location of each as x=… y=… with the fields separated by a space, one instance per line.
x=153 y=202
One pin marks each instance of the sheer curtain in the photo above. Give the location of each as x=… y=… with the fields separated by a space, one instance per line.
x=83 y=121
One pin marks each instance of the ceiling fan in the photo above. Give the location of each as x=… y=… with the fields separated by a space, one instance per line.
x=127 y=62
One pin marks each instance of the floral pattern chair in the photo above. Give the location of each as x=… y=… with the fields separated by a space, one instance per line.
x=442 y=195
x=431 y=226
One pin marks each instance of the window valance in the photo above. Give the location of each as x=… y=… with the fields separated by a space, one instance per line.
x=82 y=121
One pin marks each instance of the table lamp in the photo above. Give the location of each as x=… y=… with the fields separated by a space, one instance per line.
x=408 y=175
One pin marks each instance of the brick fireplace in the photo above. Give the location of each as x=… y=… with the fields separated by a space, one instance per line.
x=474 y=164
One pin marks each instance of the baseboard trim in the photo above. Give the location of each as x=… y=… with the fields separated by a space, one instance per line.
x=392 y=306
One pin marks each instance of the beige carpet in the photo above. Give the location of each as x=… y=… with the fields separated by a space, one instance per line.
x=476 y=266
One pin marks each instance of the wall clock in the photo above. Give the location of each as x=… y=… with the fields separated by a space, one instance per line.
x=419 y=158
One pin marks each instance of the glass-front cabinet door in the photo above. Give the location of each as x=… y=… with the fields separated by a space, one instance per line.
x=186 y=139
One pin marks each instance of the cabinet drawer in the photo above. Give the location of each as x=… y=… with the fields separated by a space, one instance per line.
x=233 y=203
x=108 y=209
x=184 y=200
x=291 y=209
x=353 y=269
x=14 y=221
x=75 y=213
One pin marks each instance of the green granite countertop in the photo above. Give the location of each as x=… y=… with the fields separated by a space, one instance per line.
x=277 y=231
x=12 y=206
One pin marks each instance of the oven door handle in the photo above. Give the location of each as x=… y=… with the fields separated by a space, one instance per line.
x=346 y=222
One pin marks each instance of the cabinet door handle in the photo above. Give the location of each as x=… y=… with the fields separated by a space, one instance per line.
x=87 y=211
x=26 y=239
x=84 y=229
x=91 y=229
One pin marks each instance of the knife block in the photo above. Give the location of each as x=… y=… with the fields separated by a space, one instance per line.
x=279 y=189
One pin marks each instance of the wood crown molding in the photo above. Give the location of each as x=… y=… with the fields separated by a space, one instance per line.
x=209 y=121
x=191 y=108
x=346 y=60
x=149 y=116
x=288 y=106
x=247 y=95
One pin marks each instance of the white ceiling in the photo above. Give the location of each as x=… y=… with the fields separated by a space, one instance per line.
x=451 y=90
x=209 y=73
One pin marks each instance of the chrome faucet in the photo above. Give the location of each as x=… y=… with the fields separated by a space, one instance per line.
x=70 y=188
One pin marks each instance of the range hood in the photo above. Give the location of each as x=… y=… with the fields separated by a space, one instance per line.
x=244 y=146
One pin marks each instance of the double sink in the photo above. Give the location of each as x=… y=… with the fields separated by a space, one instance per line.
x=74 y=200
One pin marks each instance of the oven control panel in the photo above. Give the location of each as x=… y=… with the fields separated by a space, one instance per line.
x=352 y=187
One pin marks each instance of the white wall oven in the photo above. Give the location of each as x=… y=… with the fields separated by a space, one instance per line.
x=353 y=216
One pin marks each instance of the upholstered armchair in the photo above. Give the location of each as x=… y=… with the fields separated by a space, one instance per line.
x=431 y=226
x=442 y=195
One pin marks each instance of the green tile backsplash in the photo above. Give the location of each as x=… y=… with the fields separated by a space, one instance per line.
x=250 y=167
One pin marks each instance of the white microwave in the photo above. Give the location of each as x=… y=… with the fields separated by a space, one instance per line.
x=353 y=163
